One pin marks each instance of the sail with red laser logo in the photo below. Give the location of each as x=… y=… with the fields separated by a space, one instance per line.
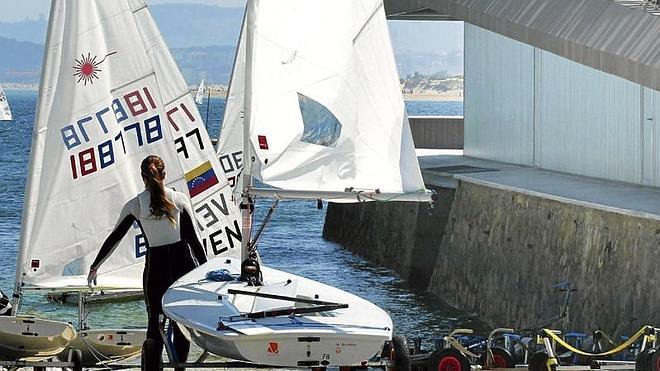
x=110 y=95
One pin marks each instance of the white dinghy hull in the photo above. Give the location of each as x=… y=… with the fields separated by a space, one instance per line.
x=103 y=345
x=26 y=337
x=340 y=337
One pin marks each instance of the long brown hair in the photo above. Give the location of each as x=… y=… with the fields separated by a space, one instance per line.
x=153 y=173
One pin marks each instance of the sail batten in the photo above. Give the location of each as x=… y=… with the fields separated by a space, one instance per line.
x=349 y=195
x=109 y=98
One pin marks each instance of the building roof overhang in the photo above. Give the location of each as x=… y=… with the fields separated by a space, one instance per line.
x=616 y=36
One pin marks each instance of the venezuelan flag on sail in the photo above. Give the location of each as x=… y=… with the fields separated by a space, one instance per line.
x=201 y=178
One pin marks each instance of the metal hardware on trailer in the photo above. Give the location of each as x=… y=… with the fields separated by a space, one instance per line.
x=535 y=347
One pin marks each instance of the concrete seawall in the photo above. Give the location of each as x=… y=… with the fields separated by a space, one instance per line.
x=497 y=253
x=399 y=235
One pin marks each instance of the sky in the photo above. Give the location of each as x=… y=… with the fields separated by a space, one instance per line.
x=18 y=10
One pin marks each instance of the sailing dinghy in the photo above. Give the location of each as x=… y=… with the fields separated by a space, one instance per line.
x=314 y=102
x=29 y=337
x=110 y=95
x=5 y=111
x=199 y=95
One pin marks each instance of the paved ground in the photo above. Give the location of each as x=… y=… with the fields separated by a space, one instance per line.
x=446 y=167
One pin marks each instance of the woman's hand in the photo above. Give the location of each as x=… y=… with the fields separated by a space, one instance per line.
x=91 y=277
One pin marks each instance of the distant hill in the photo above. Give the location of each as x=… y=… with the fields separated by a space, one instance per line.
x=190 y=25
x=20 y=61
x=429 y=63
x=212 y=63
x=33 y=31
x=203 y=37
x=182 y=25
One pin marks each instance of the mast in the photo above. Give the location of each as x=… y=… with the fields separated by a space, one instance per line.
x=208 y=105
x=35 y=155
x=246 y=201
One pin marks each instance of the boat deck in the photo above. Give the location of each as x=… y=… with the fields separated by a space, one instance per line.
x=444 y=168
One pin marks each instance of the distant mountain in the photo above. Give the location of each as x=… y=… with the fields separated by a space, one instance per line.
x=182 y=25
x=33 y=31
x=23 y=63
x=20 y=61
x=189 y=25
x=203 y=37
x=212 y=63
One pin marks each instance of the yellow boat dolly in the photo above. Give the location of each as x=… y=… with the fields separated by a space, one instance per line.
x=648 y=332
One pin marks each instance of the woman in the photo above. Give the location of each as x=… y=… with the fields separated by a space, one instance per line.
x=165 y=217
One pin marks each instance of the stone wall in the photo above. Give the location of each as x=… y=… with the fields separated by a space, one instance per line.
x=498 y=253
x=399 y=235
x=503 y=251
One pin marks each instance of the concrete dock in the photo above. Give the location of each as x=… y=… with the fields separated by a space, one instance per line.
x=445 y=168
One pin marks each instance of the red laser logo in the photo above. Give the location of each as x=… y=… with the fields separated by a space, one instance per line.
x=87 y=68
x=273 y=348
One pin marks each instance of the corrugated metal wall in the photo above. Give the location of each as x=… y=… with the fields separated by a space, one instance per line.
x=498 y=105
x=589 y=121
x=440 y=132
x=528 y=106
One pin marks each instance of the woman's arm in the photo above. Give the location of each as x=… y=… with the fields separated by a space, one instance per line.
x=126 y=219
x=189 y=231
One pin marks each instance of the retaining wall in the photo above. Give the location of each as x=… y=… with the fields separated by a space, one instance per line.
x=399 y=235
x=498 y=253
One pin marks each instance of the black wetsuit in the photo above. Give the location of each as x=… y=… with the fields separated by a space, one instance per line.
x=173 y=249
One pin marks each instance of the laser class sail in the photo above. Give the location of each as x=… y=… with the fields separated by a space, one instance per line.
x=5 y=111
x=315 y=100
x=110 y=95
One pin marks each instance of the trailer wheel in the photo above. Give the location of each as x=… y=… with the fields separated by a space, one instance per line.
x=539 y=362
x=448 y=360
x=501 y=358
x=399 y=355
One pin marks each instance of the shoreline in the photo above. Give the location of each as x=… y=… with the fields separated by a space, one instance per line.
x=433 y=97
x=221 y=92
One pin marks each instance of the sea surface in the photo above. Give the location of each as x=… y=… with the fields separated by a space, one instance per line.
x=292 y=242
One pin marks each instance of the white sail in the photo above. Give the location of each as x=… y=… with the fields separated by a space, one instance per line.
x=110 y=95
x=201 y=89
x=327 y=112
x=5 y=111
x=230 y=143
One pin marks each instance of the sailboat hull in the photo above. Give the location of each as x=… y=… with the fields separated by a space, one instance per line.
x=340 y=337
x=32 y=338
x=98 y=297
x=101 y=345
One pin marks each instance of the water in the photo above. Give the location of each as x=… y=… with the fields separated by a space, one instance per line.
x=292 y=243
x=432 y=108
